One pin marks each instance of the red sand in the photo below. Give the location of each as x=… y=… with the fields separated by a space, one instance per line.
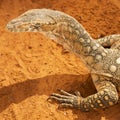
x=32 y=66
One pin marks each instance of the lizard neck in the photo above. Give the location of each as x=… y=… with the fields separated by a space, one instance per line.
x=89 y=50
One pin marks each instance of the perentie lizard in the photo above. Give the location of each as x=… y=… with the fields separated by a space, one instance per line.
x=101 y=56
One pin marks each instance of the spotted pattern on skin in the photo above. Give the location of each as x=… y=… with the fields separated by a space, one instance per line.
x=102 y=92
x=95 y=96
x=111 y=103
x=85 y=106
x=113 y=68
x=118 y=61
x=98 y=101
x=98 y=57
x=94 y=47
x=101 y=56
x=106 y=98
x=113 y=92
x=92 y=105
x=101 y=99
x=100 y=105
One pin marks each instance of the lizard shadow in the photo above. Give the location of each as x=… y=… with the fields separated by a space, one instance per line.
x=45 y=86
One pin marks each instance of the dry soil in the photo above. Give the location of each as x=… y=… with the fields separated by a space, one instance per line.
x=32 y=66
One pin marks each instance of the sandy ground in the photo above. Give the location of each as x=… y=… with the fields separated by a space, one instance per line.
x=32 y=66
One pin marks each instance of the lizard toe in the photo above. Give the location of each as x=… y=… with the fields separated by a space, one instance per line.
x=66 y=99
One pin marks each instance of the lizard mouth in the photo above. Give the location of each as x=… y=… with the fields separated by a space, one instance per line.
x=12 y=26
x=19 y=27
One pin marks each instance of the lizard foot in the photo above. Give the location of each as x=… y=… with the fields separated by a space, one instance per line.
x=66 y=99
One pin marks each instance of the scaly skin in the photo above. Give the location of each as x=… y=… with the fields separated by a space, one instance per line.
x=101 y=56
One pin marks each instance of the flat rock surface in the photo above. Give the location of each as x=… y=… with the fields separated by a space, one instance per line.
x=32 y=66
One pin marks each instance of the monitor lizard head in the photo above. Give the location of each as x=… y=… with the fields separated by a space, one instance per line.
x=32 y=21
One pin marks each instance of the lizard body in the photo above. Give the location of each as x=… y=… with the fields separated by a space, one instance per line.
x=101 y=56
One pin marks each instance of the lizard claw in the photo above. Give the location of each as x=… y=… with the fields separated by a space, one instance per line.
x=66 y=99
x=77 y=93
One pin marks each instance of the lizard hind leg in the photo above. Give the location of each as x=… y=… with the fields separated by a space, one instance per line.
x=105 y=97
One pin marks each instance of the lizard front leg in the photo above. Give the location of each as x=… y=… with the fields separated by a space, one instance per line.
x=105 y=97
x=108 y=41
